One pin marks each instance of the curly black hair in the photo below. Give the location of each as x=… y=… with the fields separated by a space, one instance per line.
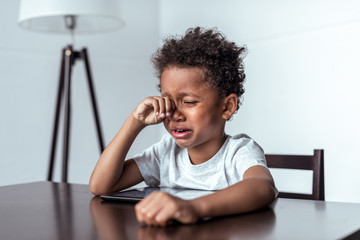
x=208 y=49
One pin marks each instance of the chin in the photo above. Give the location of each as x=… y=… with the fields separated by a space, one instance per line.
x=181 y=143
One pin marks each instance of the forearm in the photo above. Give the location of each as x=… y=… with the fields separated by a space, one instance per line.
x=159 y=208
x=245 y=196
x=110 y=165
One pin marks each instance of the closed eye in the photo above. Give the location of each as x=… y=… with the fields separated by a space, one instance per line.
x=190 y=102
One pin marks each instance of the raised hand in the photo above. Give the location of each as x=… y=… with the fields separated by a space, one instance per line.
x=153 y=110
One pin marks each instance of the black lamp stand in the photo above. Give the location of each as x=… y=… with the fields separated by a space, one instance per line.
x=69 y=56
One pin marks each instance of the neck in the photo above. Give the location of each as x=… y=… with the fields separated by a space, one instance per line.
x=205 y=151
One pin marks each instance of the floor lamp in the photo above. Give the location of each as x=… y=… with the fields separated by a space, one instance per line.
x=70 y=17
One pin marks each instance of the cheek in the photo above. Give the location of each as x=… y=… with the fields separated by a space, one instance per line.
x=211 y=118
x=203 y=116
x=166 y=122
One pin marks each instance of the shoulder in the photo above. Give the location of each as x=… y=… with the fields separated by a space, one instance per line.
x=243 y=145
x=243 y=140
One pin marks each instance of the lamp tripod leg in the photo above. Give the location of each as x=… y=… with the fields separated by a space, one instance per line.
x=69 y=60
x=56 y=118
x=93 y=99
x=64 y=97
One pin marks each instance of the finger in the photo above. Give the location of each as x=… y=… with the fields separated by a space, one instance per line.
x=169 y=105
x=141 y=212
x=165 y=216
x=162 y=104
x=155 y=105
x=143 y=216
x=147 y=209
x=138 y=214
x=162 y=107
x=161 y=208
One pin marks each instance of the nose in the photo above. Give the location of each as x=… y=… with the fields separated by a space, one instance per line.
x=177 y=116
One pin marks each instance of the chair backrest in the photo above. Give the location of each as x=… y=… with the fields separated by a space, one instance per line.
x=304 y=162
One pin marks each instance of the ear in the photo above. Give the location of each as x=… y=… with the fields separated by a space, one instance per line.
x=229 y=106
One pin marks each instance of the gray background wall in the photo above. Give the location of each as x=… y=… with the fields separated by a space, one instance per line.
x=29 y=71
x=301 y=90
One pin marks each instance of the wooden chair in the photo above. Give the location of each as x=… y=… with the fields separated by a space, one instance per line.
x=303 y=162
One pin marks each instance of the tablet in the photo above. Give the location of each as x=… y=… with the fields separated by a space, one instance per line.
x=137 y=194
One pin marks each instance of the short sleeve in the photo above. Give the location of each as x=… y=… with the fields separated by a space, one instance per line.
x=149 y=162
x=246 y=153
x=250 y=156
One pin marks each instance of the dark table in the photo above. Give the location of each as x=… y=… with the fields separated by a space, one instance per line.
x=47 y=210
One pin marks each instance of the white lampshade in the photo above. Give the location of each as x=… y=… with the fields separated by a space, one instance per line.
x=90 y=15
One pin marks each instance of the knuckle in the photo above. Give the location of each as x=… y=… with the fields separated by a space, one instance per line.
x=163 y=194
x=137 y=207
x=160 y=220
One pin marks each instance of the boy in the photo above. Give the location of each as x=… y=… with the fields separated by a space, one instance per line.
x=201 y=82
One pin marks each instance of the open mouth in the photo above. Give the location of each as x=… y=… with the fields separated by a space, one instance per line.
x=180 y=133
x=181 y=130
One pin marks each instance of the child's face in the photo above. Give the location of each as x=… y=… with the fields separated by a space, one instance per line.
x=197 y=121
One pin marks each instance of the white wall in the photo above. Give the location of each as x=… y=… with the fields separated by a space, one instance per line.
x=302 y=87
x=29 y=69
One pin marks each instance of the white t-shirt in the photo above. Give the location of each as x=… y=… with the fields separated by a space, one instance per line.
x=165 y=164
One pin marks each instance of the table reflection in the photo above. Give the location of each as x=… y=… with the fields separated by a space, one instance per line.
x=113 y=220
x=118 y=221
